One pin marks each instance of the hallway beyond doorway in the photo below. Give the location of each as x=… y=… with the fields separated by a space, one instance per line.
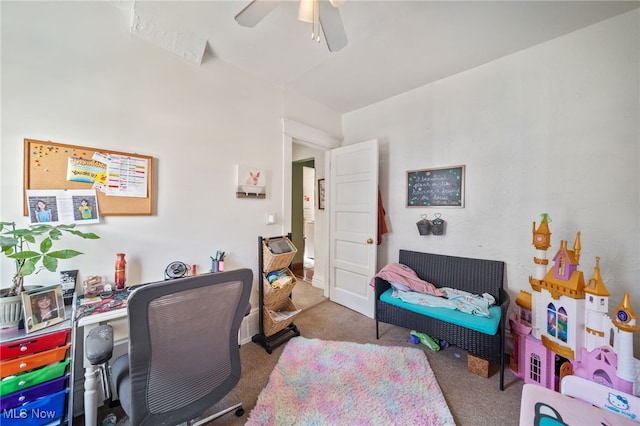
x=304 y=270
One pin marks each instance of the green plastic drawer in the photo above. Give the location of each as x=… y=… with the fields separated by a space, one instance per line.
x=15 y=383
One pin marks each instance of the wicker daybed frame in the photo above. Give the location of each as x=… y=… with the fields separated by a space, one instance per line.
x=476 y=276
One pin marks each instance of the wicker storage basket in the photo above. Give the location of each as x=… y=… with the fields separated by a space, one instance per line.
x=271 y=326
x=271 y=261
x=273 y=296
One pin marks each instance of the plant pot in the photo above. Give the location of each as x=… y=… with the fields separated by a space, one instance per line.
x=10 y=311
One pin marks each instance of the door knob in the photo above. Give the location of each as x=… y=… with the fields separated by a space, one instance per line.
x=370 y=241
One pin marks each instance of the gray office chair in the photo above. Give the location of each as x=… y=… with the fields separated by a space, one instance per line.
x=183 y=347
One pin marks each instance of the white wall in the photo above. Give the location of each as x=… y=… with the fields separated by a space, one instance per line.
x=550 y=129
x=72 y=73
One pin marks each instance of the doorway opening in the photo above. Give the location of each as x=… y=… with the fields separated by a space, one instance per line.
x=302 y=142
x=303 y=217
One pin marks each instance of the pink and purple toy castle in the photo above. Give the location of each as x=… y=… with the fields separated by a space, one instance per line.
x=563 y=326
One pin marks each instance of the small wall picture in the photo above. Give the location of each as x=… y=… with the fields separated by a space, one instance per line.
x=43 y=307
x=251 y=182
x=321 y=194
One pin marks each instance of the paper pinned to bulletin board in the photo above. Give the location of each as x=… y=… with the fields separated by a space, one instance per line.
x=123 y=181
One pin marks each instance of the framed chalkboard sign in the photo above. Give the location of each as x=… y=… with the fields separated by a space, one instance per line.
x=439 y=187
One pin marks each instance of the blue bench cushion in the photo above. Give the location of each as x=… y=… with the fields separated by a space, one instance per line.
x=473 y=322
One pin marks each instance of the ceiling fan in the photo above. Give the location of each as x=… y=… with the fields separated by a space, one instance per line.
x=323 y=14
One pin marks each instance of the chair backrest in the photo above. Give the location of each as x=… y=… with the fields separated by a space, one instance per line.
x=183 y=344
x=602 y=396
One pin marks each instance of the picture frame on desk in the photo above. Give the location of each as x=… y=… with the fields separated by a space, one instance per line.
x=43 y=307
x=68 y=282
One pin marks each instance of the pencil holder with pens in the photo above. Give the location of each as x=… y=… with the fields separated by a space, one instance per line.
x=217 y=262
x=217 y=265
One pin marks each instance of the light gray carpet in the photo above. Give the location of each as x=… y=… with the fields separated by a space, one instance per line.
x=305 y=295
x=473 y=400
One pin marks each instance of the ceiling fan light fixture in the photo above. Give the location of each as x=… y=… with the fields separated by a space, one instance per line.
x=327 y=25
x=306 y=11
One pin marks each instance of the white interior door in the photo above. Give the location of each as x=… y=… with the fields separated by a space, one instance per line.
x=353 y=198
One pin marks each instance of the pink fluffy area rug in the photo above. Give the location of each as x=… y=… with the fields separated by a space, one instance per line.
x=318 y=382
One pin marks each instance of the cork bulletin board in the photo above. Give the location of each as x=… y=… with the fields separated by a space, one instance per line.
x=45 y=167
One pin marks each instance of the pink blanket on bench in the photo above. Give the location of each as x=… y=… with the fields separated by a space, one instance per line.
x=399 y=273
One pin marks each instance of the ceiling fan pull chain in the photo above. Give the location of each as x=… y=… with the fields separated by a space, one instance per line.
x=313 y=19
x=316 y=20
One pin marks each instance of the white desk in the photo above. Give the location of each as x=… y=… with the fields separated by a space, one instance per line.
x=118 y=320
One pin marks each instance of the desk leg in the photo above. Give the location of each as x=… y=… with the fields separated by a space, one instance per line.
x=90 y=396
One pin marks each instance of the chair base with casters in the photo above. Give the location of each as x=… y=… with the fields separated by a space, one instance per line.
x=183 y=348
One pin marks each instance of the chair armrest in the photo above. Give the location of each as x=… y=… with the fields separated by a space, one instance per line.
x=505 y=300
x=381 y=285
x=99 y=344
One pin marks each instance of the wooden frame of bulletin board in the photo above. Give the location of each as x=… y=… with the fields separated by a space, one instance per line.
x=45 y=167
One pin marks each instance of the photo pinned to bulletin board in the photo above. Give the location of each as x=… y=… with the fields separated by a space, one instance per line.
x=123 y=182
x=63 y=206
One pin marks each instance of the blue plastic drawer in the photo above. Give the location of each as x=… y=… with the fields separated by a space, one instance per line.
x=30 y=394
x=39 y=412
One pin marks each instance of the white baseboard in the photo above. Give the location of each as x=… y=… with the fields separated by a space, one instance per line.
x=250 y=326
x=318 y=282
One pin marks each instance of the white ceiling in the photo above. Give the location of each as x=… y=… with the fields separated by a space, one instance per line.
x=394 y=46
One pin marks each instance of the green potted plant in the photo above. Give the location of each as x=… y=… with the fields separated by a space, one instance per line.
x=31 y=248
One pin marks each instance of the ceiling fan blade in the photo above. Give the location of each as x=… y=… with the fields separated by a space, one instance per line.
x=332 y=26
x=255 y=11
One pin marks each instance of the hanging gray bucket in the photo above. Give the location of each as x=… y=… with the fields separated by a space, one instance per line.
x=424 y=225
x=437 y=225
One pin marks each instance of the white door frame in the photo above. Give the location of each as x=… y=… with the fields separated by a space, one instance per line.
x=314 y=138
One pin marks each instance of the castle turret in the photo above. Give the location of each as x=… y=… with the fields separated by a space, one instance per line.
x=542 y=242
x=577 y=246
x=596 y=310
x=625 y=321
x=542 y=235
